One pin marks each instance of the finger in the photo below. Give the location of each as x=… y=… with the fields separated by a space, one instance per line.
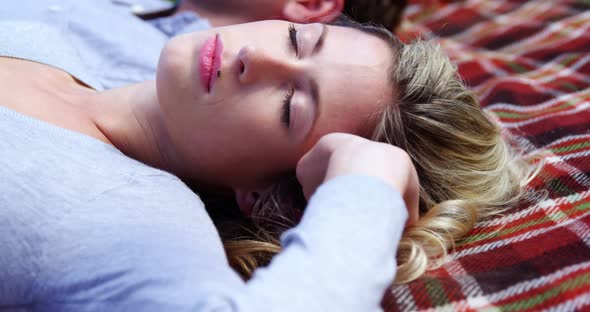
x=308 y=173
x=311 y=168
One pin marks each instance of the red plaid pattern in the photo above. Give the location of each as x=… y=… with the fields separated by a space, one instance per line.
x=529 y=62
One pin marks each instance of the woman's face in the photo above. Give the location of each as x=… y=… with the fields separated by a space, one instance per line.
x=243 y=104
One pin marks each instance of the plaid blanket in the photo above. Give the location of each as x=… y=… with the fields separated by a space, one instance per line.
x=529 y=62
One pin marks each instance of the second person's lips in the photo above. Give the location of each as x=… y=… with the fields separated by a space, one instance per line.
x=210 y=61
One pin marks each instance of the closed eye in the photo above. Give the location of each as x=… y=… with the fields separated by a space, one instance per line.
x=293 y=38
x=286 y=112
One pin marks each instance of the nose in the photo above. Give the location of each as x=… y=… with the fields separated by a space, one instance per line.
x=258 y=65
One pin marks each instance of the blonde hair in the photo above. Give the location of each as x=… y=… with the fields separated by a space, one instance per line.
x=467 y=170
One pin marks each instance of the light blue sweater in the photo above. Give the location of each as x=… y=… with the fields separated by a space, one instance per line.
x=102 y=44
x=85 y=228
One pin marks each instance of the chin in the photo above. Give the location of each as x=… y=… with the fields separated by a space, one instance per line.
x=175 y=78
x=174 y=88
x=174 y=60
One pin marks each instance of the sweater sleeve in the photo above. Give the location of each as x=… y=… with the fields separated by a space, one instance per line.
x=341 y=257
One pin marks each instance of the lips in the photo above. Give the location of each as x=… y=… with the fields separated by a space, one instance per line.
x=210 y=62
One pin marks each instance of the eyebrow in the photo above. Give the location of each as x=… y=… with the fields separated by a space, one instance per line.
x=320 y=43
x=315 y=95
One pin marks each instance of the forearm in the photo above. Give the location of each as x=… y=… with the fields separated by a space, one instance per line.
x=342 y=254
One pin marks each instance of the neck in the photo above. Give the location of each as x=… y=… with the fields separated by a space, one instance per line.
x=131 y=119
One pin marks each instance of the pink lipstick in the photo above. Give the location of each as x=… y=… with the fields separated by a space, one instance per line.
x=210 y=61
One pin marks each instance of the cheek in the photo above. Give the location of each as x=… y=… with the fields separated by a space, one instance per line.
x=248 y=125
x=349 y=119
x=255 y=112
x=255 y=125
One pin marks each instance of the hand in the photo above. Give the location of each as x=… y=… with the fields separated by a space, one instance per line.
x=339 y=154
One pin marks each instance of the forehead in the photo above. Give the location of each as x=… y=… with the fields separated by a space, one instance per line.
x=354 y=69
x=362 y=48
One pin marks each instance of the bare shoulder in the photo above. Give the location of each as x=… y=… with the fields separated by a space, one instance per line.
x=44 y=92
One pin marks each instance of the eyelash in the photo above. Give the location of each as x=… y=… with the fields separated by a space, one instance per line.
x=286 y=115
x=293 y=38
